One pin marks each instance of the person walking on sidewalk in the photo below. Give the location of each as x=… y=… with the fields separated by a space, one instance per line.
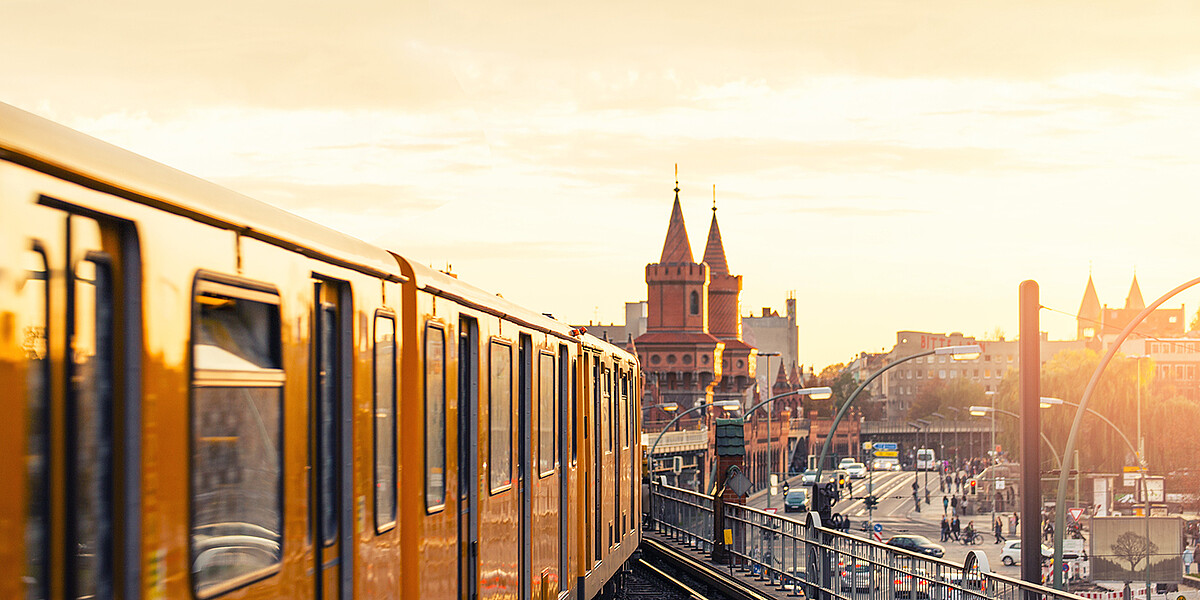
x=945 y=504
x=998 y=529
x=945 y=529
x=954 y=528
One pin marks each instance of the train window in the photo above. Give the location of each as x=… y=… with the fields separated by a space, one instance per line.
x=91 y=448
x=625 y=417
x=236 y=427
x=385 y=422
x=605 y=416
x=500 y=417
x=34 y=345
x=546 y=407
x=435 y=417
x=574 y=409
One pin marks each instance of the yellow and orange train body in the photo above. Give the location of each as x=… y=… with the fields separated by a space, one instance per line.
x=205 y=396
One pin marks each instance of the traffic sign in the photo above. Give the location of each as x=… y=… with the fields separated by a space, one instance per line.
x=878 y=527
x=886 y=446
x=887 y=453
x=1075 y=513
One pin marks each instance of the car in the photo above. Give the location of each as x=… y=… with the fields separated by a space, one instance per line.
x=856 y=470
x=809 y=477
x=917 y=543
x=1010 y=554
x=846 y=461
x=912 y=586
x=885 y=464
x=858 y=578
x=795 y=501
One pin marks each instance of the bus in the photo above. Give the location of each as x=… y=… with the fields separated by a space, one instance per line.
x=926 y=461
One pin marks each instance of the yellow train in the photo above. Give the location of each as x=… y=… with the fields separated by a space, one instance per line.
x=205 y=396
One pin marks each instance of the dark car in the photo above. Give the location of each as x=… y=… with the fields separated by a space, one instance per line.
x=795 y=500
x=917 y=543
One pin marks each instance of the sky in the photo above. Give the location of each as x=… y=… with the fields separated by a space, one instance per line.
x=898 y=165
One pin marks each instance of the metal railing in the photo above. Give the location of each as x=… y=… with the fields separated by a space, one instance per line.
x=801 y=557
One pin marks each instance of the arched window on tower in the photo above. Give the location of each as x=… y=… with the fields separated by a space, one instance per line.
x=695 y=303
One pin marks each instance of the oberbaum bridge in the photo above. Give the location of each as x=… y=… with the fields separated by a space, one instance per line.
x=699 y=476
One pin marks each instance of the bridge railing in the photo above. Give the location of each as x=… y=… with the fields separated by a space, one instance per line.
x=683 y=515
x=800 y=556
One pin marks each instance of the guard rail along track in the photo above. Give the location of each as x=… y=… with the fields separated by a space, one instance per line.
x=803 y=558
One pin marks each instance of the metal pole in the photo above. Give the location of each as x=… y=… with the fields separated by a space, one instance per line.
x=770 y=409
x=1030 y=366
x=1146 y=495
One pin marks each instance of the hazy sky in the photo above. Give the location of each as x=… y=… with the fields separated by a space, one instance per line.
x=900 y=165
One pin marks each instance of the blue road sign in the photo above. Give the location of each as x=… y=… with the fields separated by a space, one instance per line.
x=886 y=446
x=878 y=527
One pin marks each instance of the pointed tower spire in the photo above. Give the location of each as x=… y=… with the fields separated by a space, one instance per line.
x=676 y=248
x=781 y=377
x=1134 y=300
x=714 y=252
x=1090 y=313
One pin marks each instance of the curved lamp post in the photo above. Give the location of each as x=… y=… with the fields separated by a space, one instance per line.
x=725 y=404
x=816 y=393
x=958 y=352
x=1047 y=402
x=979 y=411
x=1060 y=511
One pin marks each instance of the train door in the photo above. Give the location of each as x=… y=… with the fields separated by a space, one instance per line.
x=598 y=406
x=566 y=466
x=615 y=420
x=524 y=462
x=83 y=341
x=468 y=456
x=331 y=436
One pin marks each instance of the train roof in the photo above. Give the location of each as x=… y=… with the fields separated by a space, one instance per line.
x=46 y=146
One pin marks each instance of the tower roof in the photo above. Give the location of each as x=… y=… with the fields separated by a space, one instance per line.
x=714 y=251
x=1134 y=300
x=781 y=377
x=1090 y=307
x=676 y=248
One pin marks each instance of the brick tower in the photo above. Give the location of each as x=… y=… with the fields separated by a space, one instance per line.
x=680 y=358
x=725 y=320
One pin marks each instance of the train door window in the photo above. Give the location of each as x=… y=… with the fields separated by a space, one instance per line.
x=574 y=410
x=385 y=422
x=236 y=433
x=605 y=416
x=327 y=406
x=34 y=329
x=626 y=421
x=546 y=411
x=435 y=417
x=500 y=416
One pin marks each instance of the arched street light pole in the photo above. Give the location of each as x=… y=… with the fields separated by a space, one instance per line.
x=1047 y=402
x=816 y=393
x=1060 y=511
x=725 y=404
x=958 y=352
x=979 y=411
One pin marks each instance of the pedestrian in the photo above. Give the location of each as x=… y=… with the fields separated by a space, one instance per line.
x=954 y=528
x=954 y=504
x=945 y=529
x=1016 y=523
x=998 y=529
x=945 y=504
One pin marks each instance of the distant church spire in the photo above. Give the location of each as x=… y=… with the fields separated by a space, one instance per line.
x=714 y=252
x=1134 y=300
x=676 y=248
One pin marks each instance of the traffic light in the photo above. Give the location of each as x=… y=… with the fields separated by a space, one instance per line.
x=973 y=487
x=871 y=501
x=786 y=487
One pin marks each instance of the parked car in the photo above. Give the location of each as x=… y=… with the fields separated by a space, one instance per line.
x=1010 y=554
x=795 y=501
x=917 y=543
x=856 y=470
x=912 y=586
x=859 y=577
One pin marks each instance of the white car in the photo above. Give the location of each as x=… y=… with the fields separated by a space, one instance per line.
x=856 y=470
x=1011 y=553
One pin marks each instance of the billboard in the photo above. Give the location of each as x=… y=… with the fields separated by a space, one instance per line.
x=1120 y=549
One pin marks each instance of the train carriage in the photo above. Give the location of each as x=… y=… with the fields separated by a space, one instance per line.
x=209 y=397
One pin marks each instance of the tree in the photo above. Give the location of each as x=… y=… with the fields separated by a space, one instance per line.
x=1132 y=548
x=839 y=379
x=938 y=394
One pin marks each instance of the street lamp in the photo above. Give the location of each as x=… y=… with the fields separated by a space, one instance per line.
x=727 y=405
x=816 y=393
x=941 y=434
x=925 y=423
x=968 y=352
x=956 y=417
x=770 y=462
x=1047 y=402
x=979 y=411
